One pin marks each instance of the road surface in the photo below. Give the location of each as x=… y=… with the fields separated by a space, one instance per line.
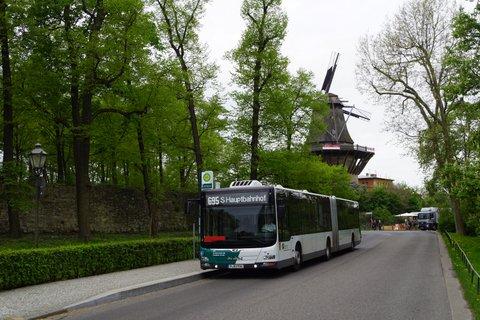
x=391 y=275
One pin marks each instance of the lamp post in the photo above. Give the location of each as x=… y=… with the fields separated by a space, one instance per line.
x=37 y=159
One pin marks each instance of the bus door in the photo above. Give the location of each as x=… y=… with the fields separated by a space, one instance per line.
x=333 y=210
x=284 y=243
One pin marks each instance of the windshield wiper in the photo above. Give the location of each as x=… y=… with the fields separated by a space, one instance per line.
x=254 y=240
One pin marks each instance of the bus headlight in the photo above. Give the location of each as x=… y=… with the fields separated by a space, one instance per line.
x=204 y=259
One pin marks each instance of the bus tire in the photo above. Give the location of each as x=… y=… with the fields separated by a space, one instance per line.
x=328 y=250
x=297 y=257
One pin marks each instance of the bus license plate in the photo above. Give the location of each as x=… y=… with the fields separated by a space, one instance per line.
x=235 y=266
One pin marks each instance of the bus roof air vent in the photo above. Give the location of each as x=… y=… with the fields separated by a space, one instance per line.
x=245 y=183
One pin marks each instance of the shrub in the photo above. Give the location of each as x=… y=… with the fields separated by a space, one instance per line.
x=382 y=213
x=446 y=222
x=34 y=266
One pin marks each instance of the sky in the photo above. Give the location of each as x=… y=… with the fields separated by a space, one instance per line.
x=316 y=28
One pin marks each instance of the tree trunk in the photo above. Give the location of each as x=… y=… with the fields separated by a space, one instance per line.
x=60 y=148
x=193 y=119
x=8 y=160
x=146 y=182
x=254 y=157
x=459 y=224
x=114 y=172
x=102 y=173
x=81 y=151
x=82 y=114
x=183 y=180
x=289 y=140
x=160 y=161
x=126 y=174
x=81 y=140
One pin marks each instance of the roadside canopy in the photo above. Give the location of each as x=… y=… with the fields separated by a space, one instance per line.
x=407 y=215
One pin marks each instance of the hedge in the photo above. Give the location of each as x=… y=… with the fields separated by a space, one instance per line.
x=35 y=266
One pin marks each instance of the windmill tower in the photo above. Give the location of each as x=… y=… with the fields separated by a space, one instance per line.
x=335 y=146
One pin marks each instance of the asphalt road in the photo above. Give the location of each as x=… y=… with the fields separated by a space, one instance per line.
x=391 y=275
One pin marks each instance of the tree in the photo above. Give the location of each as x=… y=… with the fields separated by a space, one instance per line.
x=404 y=66
x=96 y=64
x=258 y=65
x=289 y=112
x=298 y=169
x=179 y=23
x=396 y=199
x=464 y=56
x=9 y=167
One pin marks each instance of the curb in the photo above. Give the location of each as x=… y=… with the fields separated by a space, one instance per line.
x=458 y=305
x=133 y=291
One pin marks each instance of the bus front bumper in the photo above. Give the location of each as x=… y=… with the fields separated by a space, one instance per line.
x=260 y=265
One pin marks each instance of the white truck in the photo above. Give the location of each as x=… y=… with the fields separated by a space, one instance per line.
x=428 y=218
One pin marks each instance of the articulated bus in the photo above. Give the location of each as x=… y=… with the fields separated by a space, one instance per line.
x=249 y=225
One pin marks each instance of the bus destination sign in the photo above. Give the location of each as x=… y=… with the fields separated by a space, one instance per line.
x=224 y=199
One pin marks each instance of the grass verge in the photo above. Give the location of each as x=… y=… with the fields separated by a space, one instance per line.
x=471 y=246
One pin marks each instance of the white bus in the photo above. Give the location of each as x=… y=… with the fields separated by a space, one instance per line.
x=249 y=225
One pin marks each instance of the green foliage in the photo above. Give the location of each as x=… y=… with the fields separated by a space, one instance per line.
x=34 y=266
x=16 y=190
x=380 y=197
x=468 y=191
x=304 y=171
x=384 y=215
x=446 y=221
x=464 y=56
x=260 y=44
x=387 y=202
x=259 y=69
x=141 y=69
x=294 y=111
x=62 y=240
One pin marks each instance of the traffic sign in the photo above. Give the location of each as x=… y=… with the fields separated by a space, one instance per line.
x=208 y=181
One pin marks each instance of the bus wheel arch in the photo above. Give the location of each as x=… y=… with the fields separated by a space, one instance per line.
x=297 y=258
x=328 y=249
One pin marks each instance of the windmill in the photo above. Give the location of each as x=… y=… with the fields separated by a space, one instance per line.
x=335 y=145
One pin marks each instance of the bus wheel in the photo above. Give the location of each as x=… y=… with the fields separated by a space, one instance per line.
x=328 y=251
x=297 y=258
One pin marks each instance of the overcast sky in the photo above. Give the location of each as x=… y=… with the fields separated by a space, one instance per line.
x=315 y=29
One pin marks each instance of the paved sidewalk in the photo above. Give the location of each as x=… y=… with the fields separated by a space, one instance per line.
x=458 y=304
x=37 y=300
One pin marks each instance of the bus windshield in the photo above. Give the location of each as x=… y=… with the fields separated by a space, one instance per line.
x=424 y=215
x=246 y=226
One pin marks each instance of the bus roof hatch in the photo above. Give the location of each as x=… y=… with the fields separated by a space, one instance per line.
x=245 y=183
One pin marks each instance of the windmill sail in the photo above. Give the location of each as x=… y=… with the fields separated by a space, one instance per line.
x=335 y=146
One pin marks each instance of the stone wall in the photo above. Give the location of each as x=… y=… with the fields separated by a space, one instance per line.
x=112 y=210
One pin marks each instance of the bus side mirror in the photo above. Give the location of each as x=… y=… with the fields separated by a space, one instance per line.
x=191 y=206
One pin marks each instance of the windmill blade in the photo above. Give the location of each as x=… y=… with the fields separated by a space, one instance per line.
x=327 y=82
x=357 y=113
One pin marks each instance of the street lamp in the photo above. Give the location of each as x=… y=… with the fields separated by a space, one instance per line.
x=37 y=159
